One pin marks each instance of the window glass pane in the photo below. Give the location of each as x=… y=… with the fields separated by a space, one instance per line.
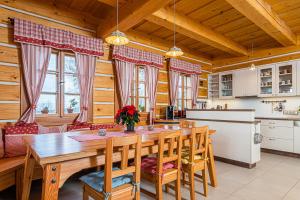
x=180 y=81
x=141 y=74
x=71 y=84
x=179 y=93
x=50 y=83
x=69 y=64
x=188 y=81
x=179 y=105
x=134 y=74
x=72 y=104
x=142 y=104
x=46 y=102
x=134 y=90
x=189 y=93
x=189 y=104
x=53 y=62
x=147 y=105
x=142 y=89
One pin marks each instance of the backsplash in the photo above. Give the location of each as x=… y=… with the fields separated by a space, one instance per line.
x=261 y=109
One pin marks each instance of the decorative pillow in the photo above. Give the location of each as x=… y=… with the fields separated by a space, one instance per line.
x=1 y=145
x=149 y=165
x=52 y=129
x=76 y=126
x=13 y=138
x=103 y=126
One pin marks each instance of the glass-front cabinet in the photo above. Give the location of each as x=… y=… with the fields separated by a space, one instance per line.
x=286 y=78
x=266 y=81
x=278 y=79
x=226 y=85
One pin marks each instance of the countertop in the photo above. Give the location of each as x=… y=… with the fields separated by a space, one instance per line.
x=233 y=110
x=279 y=118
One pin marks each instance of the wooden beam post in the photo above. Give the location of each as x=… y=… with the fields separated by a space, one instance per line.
x=190 y=28
x=261 y=14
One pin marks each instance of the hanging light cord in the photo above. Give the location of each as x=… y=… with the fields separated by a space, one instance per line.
x=117 y=15
x=174 y=23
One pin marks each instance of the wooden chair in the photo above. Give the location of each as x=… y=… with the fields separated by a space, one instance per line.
x=195 y=158
x=187 y=124
x=165 y=168
x=116 y=183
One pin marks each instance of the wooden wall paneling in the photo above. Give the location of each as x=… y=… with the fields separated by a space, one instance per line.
x=104 y=96
x=8 y=54
x=6 y=35
x=10 y=92
x=162 y=98
x=104 y=120
x=103 y=82
x=163 y=76
x=162 y=87
x=9 y=74
x=104 y=68
x=9 y=111
x=103 y=110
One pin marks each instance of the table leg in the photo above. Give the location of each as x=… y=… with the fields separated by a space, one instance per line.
x=28 y=172
x=211 y=166
x=51 y=177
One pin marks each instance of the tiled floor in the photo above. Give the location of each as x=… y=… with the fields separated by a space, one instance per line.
x=275 y=177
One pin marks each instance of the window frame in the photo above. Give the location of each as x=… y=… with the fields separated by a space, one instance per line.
x=60 y=117
x=184 y=87
x=135 y=97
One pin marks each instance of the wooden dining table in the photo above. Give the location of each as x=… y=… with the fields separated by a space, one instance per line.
x=61 y=156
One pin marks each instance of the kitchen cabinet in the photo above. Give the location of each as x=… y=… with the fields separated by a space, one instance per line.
x=226 y=85
x=278 y=135
x=245 y=83
x=213 y=86
x=297 y=138
x=266 y=81
x=286 y=79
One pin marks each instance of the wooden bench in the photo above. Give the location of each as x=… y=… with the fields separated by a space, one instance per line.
x=12 y=172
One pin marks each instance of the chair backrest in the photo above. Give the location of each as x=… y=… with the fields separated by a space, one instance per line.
x=169 y=149
x=198 y=143
x=187 y=124
x=129 y=145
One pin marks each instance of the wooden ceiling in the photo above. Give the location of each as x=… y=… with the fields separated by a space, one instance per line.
x=211 y=29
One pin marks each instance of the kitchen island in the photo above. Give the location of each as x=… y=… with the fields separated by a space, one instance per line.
x=236 y=131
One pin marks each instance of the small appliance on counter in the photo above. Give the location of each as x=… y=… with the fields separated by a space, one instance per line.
x=170 y=113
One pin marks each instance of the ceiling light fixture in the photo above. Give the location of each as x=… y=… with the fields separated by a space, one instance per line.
x=174 y=51
x=117 y=37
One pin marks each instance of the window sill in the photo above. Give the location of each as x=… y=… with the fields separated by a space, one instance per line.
x=48 y=120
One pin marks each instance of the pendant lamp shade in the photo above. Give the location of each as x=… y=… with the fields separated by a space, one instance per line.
x=117 y=38
x=174 y=52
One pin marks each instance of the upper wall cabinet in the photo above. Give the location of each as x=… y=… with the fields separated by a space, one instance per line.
x=278 y=80
x=266 y=81
x=286 y=79
x=226 y=85
x=245 y=83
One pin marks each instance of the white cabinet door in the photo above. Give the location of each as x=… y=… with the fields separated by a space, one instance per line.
x=226 y=85
x=238 y=86
x=278 y=144
x=245 y=83
x=297 y=139
x=266 y=81
x=286 y=79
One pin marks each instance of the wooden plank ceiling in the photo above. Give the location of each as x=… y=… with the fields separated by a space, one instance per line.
x=214 y=29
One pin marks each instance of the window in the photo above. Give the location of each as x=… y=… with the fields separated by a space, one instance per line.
x=184 y=94
x=60 y=94
x=139 y=96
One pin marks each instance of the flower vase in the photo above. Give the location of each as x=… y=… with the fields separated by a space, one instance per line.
x=130 y=127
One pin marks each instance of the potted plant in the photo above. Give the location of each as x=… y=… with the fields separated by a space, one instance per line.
x=45 y=110
x=128 y=116
x=73 y=103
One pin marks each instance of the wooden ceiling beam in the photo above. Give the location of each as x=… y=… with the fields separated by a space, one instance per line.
x=190 y=28
x=159 y=43
x=261 y=14
x=130 y=14
x=109 y=2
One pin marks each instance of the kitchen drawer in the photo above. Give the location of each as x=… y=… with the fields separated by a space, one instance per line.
x=297 y=139
x=284 y=123
x=277 y=132
x=278 y=144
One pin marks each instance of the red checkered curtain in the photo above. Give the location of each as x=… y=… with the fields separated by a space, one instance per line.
x=125 y=59
x=37 y=34
x=176 y=68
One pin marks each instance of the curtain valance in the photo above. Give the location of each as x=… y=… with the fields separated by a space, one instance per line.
x=37 y=34
x=184 y=67
x=137 y=56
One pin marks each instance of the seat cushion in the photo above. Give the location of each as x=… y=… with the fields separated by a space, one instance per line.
x=185 y=156
x=96 y=180
x=149 y=165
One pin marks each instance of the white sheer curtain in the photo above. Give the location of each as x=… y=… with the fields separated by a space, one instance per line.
x=174 y=77
x=86 y=65
x=151 y=86
x=35 y=60
x=194 y=87
x=125 y=72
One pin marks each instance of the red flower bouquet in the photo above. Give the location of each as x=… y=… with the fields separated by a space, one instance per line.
x=129 y=116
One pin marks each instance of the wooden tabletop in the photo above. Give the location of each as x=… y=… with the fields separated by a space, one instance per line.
x=57 y=147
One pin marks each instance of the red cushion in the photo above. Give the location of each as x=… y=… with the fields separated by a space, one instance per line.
x=13 y=138
x=149 y=165
x=76 y=126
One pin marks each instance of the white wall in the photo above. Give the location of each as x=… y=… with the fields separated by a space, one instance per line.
x=262 y=109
